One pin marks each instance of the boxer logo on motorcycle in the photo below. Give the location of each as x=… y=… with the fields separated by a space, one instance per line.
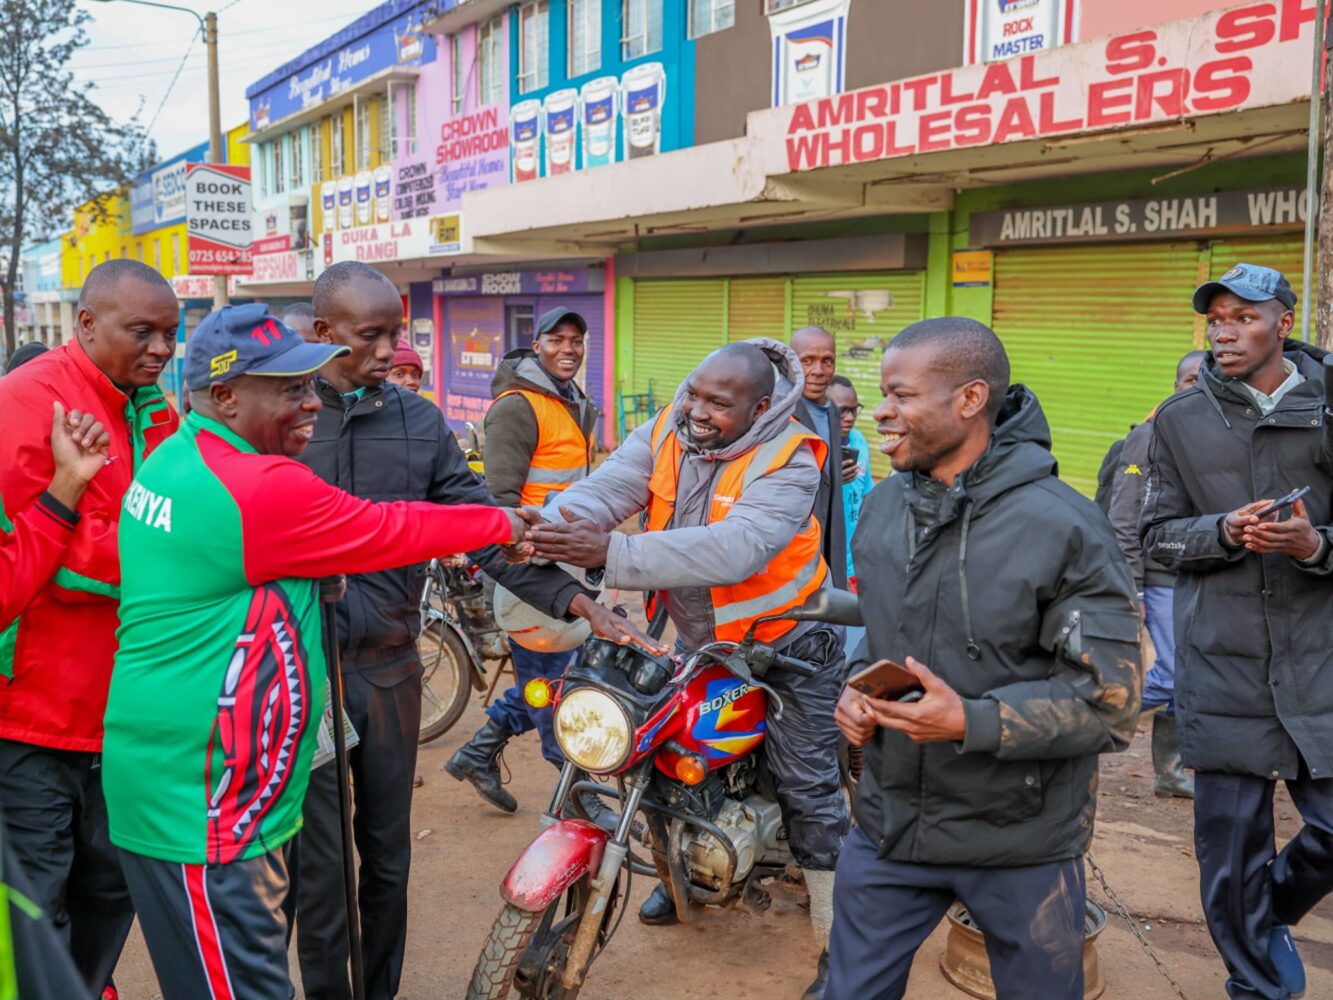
x=726 y=481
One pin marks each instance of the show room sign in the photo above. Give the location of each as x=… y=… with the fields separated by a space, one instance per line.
x=1142 y=218
x=217 y=215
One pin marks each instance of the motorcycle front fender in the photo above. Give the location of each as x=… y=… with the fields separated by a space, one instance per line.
x=562 y=854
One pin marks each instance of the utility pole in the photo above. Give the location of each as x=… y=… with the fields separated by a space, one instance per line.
x=215 y=151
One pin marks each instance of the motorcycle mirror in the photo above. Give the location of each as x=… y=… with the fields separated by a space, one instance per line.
x=837 y=607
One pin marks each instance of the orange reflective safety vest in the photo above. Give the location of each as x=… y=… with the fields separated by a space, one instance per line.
x=792 y=575
x=563 y=455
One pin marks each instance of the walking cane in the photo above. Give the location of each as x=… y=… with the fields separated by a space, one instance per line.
x=333 y=663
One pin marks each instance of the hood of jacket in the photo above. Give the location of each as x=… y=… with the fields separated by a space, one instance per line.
x=520 y=369
x=788 y=383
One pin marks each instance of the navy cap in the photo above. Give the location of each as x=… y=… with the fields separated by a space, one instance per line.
x=1251 y=282
x=249 y=340
x=554 y=317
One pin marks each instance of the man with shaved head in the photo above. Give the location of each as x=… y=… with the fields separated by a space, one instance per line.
x=818 y=353
x=728 y=480
x=1002 y=590
x=300 y=316
x=57 y=654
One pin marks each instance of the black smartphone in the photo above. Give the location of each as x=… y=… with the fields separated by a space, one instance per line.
x=885 y=680
x=1281 y=503
x=850 y=455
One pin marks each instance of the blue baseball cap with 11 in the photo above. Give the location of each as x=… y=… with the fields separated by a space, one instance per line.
x=249 y=340
x=1251 y=282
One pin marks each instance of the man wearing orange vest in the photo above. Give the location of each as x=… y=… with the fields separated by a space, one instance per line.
x=539 y=441
x=728 y=481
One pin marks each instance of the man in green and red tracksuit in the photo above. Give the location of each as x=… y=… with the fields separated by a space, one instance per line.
x=219 y=682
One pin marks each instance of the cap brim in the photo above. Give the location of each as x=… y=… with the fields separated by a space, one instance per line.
x=571 y=315
x=302 y=359
x=1205 y=292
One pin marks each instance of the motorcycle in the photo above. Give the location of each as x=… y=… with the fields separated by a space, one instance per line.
x=681 y=737
x=458 y=629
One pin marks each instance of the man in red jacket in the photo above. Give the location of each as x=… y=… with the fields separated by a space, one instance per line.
x=55 y=658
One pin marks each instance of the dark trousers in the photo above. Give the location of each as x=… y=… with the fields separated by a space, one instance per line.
x=883 y=910
x=214 y=932
x=56 y=828
x=384 y=704
x=1243 y=894
x=511 y=712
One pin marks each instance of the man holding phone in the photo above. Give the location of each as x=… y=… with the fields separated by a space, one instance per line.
x=1002 y=590
x=1254 y=584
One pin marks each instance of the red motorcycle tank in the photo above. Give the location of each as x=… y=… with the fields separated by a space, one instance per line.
x=724 y=718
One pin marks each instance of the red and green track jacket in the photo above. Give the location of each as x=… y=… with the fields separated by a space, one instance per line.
x=219 y=682
x=31 y=547
x=55 y=659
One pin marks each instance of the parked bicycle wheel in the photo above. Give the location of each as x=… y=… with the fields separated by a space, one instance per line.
x=446 y=681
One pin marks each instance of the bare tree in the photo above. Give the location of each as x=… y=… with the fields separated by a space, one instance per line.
x=58 y=148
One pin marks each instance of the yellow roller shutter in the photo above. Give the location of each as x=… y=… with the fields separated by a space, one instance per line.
x=1096 y=332
x=676 y=324
x=1283 y=251
x=757 y=307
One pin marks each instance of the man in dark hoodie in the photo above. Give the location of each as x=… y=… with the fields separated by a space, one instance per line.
x=1253 y=632
x=539 y=441
x=1002 y=589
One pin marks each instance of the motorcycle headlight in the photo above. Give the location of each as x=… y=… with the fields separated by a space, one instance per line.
x=592 y=729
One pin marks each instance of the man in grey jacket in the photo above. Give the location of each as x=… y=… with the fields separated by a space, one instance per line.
x=739 y=400
x=1155 y=584
x=1008 y=587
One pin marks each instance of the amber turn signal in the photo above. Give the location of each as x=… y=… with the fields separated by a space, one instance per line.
x=691 y=770
x=537 y=692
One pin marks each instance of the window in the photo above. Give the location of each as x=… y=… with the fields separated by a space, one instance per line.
x=643 y=28
x=585 y=36
x=388 y=129
x=459 y=68
x=279 y=164
x=337 y=155
x=708 y=16
x=138 y=251
x=490 y=62
x=774 y=6
x=362 y=142
x=534 y=48
x=317 y=152
x=410 y=129
x=298 y=160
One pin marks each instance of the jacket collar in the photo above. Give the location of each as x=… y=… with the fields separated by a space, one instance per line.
x=197 y=422
x=106 y=390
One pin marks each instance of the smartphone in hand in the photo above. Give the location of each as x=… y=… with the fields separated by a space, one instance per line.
x=1281 y=503
x=885 y=680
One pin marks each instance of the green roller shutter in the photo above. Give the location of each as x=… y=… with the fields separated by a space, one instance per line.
x=1283 y=251
x=863 y=311
x=1096 y=332
x=757 y=307
x=676 y=323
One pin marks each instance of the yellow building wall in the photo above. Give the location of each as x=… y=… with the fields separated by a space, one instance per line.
x=238 y=151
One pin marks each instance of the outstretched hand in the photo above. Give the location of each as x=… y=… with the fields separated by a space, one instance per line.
x=607 y=624
x=79 y=446
x=935 y=718
x=577 y=541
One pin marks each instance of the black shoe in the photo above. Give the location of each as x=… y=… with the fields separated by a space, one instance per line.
x=598 y=811
x=476 y=761
x=815 y=991
x=659 y=908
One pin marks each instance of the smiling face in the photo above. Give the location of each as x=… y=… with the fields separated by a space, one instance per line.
x=365 y=316
x=560 y=351
x=927 y=423
x=719 y=403
x=275 y=414
x=1247 y=337
x=818 y=355
x=129 y=331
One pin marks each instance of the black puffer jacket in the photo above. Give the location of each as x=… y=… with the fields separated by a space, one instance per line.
x=1254 y=634
x=1009 y=585
x=394 y=445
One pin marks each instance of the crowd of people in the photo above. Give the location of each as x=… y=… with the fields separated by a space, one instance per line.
x=165 y=675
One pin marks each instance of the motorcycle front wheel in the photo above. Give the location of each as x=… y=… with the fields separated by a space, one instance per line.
x=446 y=680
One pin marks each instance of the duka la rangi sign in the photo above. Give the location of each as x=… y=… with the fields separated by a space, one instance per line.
x=1246 y=57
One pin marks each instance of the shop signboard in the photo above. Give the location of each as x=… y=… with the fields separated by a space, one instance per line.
x=1002 y=29
x=217 y=199
x=1221 y=61
x=809 y=50
x=972 y=268
x=476 y=344
x=278 y=268
x=410 y=239
x=200 y=286
x=1178 y=217
x=574 y=280
x=157 y=196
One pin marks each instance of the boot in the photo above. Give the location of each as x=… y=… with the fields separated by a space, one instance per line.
x=477 y=762
x=659 y=908
x=598 y=811
x=1170 y=778
x=819 y=884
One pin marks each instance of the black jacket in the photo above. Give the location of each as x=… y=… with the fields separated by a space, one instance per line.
x=511 y=425
x=1129 y=489
x=1254 y=634
x=828 y=503
x=394 y=445
x=1010 y=587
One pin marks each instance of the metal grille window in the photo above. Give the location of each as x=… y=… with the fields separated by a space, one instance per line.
x=490 y=61
x=459 y=69
x=316 y=152
x=278 y=163
x=708 y=16
x=534 y=49
x=774 y=6
x=362 y=150
x=643 y=28
x=410 y=125
x=337 y=144
x=388 y=129
x=585 y=36
x=297 y=176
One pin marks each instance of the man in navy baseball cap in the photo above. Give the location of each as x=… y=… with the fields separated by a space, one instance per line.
x=249 y=340
x=1251 y=282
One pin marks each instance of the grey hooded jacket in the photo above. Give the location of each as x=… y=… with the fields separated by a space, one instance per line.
x=694 y=555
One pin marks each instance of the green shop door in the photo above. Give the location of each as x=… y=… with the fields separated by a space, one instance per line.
x=677 y=322
x=1096 y=333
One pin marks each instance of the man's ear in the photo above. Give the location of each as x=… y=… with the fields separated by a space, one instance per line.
x=975 y=398
x=760 y=408
x=223 y=397
x=322 y=332
x=1285 y=323
x=85 y=321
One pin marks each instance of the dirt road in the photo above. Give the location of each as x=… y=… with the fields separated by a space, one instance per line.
x=464 y=848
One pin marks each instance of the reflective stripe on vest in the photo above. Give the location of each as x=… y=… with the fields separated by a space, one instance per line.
x=792 y=575
x=563 y=454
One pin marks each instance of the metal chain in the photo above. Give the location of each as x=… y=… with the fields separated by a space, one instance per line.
x=1100 y=876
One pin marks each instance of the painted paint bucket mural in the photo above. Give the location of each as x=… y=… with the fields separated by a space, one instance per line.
x=561 y=114
x=599 y=102
x=525 y=136
x=642 y=93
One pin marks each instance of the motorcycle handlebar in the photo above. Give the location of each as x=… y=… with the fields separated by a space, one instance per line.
x=794 y=665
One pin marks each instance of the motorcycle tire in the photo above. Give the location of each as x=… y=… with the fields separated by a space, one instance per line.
x=446 y=681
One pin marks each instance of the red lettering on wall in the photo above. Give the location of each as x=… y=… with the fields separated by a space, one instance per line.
x=996 y=81
x=1047 y=123
x=933 y=131
x=972 y=125
x=1131 y=53
x=1103 y=102
x=1027 y=79
x=1166 y=89
x=1226 y=80
x=1015 y=121
x=1245 y=28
